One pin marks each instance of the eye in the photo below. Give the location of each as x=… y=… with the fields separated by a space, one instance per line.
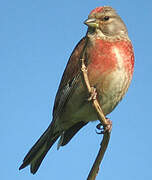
x=106 y=18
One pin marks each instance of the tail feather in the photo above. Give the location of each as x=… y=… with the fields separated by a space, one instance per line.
x=39 y=150
x=37 y=153
x=36 y=162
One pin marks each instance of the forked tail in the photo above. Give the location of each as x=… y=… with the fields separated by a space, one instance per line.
x=37 y=153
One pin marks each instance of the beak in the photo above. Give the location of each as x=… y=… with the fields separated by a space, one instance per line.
x=91 y=22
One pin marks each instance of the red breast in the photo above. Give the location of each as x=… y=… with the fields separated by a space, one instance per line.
x=105 y=57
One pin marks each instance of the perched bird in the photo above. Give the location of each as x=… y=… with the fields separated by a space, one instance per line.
x=109 y=58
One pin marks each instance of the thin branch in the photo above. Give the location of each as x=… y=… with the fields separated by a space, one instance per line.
x=103 y=146
x=105 y=123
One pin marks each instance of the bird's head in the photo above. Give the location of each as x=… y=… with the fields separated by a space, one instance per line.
x=106 y=22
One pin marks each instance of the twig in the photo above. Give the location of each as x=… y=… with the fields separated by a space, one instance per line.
x=104 y=143
x=103 y=146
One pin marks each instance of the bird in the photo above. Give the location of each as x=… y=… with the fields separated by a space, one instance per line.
x=109 y=59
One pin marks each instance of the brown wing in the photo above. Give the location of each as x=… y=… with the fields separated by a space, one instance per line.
x=68 y=135
x=69 y=78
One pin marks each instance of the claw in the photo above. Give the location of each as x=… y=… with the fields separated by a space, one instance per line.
x=100 y=128
x=106 y=128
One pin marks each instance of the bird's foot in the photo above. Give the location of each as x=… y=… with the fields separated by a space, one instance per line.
x=105 y=128
x=93 y=94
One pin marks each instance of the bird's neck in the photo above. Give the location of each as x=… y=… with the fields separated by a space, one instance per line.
x=98 y=34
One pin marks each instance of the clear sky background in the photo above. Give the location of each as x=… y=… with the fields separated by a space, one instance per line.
x=36 y=40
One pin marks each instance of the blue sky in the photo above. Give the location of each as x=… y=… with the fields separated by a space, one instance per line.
x=36 y=39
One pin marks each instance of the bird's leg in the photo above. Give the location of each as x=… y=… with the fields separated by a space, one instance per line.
x=105 y=128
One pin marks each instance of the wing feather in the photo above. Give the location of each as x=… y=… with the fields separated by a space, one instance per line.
x=69 y=79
